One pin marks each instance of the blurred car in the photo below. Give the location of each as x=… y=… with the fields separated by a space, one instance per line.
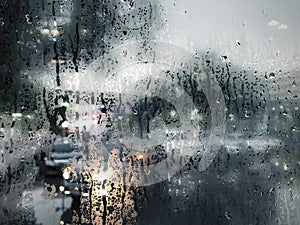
x=80 y=177
x=63 y=153
x=75 y=180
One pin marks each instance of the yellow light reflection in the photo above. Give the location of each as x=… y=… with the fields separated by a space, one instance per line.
x=45 y=31
x=66 y=173
x=55 y=32
x=102 y=192
x=54 y=61
x=61 y=188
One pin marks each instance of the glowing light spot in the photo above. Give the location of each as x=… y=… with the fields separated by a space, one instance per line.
x=66 y=173
x=139 y=156
x=45 y=31
x=85 y=194
x=65 y=124
x=285 y=166
x=273 y=23
x=16 y=114
x=102 y=192
x=61 y=188
x=66 y=104
x=54 y=32
x=53 y=61
x=283 y=27
x=173 y=113
x=97 y=177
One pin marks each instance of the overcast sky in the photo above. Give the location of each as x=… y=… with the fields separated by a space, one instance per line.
x=266 y=29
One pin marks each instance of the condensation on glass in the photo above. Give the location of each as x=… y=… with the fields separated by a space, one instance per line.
x=149 y=112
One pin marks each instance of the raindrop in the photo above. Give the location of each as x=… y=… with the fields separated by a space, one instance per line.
x=247 y=114
x=272 y=75
x=228 y=216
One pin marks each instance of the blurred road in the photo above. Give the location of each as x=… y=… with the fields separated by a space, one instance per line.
x=48 y=210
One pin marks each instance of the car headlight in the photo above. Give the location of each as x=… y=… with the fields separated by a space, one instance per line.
x=66 y=173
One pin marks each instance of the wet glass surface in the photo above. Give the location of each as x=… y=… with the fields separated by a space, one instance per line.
x=149 y=112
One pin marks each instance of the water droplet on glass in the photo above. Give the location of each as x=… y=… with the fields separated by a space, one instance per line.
x=228 y=216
